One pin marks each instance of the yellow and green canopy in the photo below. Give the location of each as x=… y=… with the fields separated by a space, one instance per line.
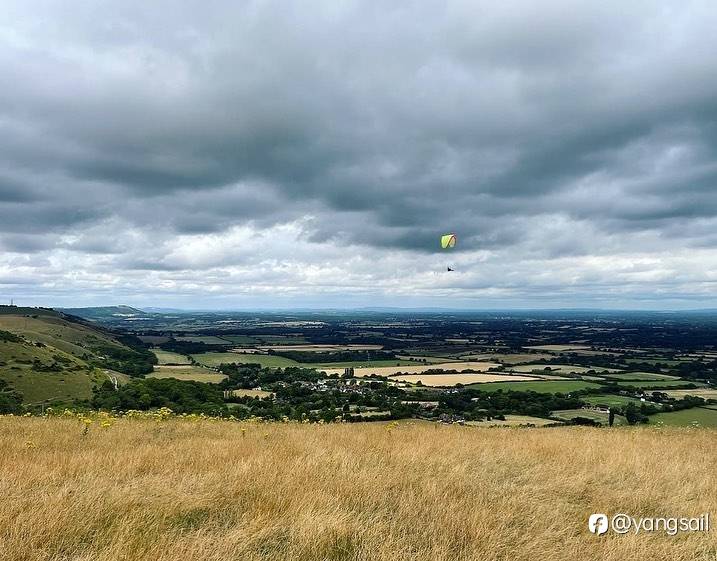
x=448 y=241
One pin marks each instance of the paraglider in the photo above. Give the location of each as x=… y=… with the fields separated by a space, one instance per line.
x=448 y=241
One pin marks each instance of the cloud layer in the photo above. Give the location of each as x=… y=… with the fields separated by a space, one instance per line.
x=229 y=154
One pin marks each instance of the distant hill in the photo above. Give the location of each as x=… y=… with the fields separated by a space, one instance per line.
x=100 y=313
x=50 y=356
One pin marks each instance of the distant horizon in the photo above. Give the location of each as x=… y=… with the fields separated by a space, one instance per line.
x=427 y=309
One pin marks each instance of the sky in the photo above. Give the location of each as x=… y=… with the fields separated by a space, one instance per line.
x=248 y=154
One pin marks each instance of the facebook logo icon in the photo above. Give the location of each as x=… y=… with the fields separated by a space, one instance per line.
x=597 y=524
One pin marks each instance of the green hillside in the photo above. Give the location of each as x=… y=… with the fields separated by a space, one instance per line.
x=48 y=356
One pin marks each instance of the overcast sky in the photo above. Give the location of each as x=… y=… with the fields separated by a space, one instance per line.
x=231 y=154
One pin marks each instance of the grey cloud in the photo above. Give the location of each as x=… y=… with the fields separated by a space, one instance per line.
x=577 y=129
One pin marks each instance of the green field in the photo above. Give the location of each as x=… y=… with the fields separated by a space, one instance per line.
x=640 y=376
x=701 y=416
x=549 y=386
x=266 y=361
x=428 y=359
x=610 y=400
x=652 y=360
x=207 y=339
x=195 y=373
x=168 y=357
x=281 y=339
x=240 y=339
x=559 y=369
x=657 y=384
x=361 y=364
x=598 y=416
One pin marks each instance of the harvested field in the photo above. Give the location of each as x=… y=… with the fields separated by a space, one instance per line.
x=704 y=393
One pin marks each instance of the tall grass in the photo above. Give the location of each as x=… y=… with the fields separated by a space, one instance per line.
x=180 y=490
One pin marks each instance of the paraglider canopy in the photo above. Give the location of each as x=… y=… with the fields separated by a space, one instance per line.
x=448 y=241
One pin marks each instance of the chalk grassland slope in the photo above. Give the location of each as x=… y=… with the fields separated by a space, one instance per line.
x=218 y=491
x=57 y=358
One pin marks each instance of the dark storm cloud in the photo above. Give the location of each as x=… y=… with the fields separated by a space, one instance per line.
x=388 y=125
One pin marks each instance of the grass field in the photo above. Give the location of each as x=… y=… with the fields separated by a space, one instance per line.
x=251 y=393
x=168 y=357
x=701 y=416
x=437 y=380
x=547 y=386
x=37 y=387
x=560 y=368
x=216 y=491
x=704 y=393
x=208 y=339
x=640 y=376
x=609 y=400
x=652 y=360
x=408 y=368
x=240 y=339
x=269 y=361
x=656 y=384
x=598 y=416
x=517 y=358
x=513 y=421
x=428 y=359
x=558 y=348
x=196 y=373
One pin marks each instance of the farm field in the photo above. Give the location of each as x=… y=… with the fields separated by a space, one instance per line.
x=640 y=376
x=168 y=357
x=702 y=416
x=269 y=361
x=240 y=339
x=320 y=348
x=428 y=359
x=409 y=368
x=207 y=339
x=651 y=360
x=517 y=358
x=219 y=491
x=338 y=367
x=281 y=340
x=196 y=373
x=251 y=393
x=546 y=386
x=598 y=416
x=513 y=421
x=445 y=380
x=609 y=400
x=657 y=384
x=704 y=393
x=560 y=368
x=558 y=348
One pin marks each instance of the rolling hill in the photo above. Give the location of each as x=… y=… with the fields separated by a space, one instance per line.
x=52 y=357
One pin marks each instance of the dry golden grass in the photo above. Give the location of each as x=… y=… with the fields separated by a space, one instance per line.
x=180 y=490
